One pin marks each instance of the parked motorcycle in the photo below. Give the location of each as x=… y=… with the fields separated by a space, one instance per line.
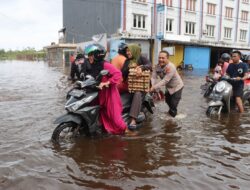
x=222 y=97
x=82 y=117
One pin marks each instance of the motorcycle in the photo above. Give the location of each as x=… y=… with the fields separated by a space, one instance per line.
x=207 y=88
x=221 y=96
x=82 y=117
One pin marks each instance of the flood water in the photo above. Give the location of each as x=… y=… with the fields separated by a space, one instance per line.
x=193 y=153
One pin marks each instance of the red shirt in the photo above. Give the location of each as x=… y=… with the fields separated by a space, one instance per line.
x=224 y=68
x=72 y=58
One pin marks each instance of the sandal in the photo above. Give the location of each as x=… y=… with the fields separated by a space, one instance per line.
x=132 y=127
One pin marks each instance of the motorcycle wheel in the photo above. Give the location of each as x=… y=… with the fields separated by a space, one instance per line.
x=213 y=111
x=246 y=96
x=65 y=132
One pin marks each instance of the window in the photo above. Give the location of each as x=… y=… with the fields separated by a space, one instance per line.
x=227 y=33
x=190 y=5
x=244 y=15
x=139 y=21
x=169 y=3
x=245 y=1
x=169 y=25
x=210 y=30
x=190 y=28
x=243 y=35
x=211 y=9
x=229 y=12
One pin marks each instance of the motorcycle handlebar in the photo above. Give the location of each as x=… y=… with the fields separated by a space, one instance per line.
x=227 y=78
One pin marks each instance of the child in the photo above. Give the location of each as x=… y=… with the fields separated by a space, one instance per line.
x=218 y=70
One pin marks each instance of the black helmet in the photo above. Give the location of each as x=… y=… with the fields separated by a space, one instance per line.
x=245 y=57
x=97 y=50
x=122 y=48
x=225 y=57
x=248 y=57
x=79 y=56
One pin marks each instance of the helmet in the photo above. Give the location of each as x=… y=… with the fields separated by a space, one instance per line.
x=97 y=50
x=248 y=57
x=79 y=56
x=122 y=49
x=225 y=57
x=245 y=57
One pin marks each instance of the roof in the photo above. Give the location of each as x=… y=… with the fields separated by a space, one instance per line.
x=61 y=46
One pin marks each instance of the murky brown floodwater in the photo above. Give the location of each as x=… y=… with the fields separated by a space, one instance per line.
x=192 y=153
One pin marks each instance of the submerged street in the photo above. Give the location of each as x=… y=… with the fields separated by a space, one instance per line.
x=195 y=152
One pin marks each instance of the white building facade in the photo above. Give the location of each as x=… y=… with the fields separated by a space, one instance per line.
x=207 y=25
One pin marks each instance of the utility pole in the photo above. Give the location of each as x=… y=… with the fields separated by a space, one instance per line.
x=159 y=28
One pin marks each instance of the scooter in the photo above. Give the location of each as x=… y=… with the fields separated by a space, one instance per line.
x=246 y=93
x=82 y=117
x=207 y=88
x=221 y=96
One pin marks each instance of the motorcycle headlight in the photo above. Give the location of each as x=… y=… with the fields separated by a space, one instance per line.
x=219 y=87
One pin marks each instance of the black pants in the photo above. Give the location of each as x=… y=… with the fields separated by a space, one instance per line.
x=173 y=100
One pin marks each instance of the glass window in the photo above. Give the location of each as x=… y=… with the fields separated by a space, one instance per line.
x=244 y=15
x=211 y=8
x=169 y=3
x=210 y=30
x=227 y=33
x=190 y=5
x=190 y=28
x=229 y=12
x=243 y=35
x=169 y=25
x=139 y=21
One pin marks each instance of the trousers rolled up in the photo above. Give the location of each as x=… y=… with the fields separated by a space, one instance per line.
x=172 y=101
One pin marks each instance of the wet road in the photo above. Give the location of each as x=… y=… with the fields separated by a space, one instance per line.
x=191 y=153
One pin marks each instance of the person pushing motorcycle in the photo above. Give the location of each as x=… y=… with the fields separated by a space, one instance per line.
x=169 y=76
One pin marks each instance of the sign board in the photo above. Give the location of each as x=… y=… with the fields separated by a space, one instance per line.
x=161 y=17
x=170 y=50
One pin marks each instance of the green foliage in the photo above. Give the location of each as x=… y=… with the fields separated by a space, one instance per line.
x=25 y=54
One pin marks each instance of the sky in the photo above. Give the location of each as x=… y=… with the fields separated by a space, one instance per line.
x=29 y=23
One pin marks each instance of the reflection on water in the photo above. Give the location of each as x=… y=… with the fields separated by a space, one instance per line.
x=196 y=152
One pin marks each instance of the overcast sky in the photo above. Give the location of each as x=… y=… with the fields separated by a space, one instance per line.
x=29 y=23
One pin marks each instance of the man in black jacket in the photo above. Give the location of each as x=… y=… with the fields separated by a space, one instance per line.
x=79 y=68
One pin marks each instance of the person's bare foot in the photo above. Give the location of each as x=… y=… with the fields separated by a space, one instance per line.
x=130 y=133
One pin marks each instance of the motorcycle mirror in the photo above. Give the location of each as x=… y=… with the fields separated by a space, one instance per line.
x=89 y=77
x=104 y=72
x=78 y=83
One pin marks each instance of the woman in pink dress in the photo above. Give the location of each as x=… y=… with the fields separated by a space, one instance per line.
x=109 y=97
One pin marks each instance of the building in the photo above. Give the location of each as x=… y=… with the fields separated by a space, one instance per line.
x=83 y=19
x=119 y=19
x=213 y=27
x=59 y=54
x=194 y=31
